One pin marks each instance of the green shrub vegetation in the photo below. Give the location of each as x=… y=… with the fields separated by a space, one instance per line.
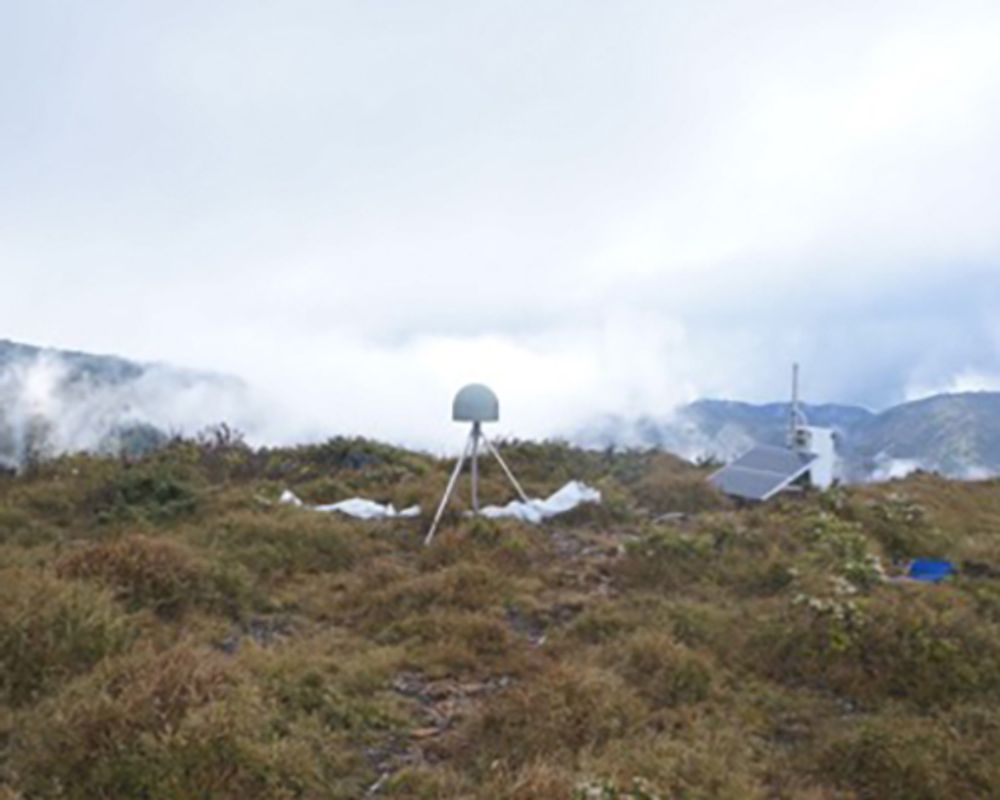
x=51 y=630
x=168 y=629
x=163 y=575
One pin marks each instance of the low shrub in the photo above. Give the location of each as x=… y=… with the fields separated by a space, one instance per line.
x=159 y=574
x=51 y=630
x=667 y=489
x=534 y=780
x=903 y=528
x=668 y=559
x=301 y=684
x=20 y=528
x=664 y=673
x=688 y=622
x=602 y=622
x=503 y=543
x=564 y=710
x=147 y=493
x=702 y=755
x=457 y=642
x=283 y=542
x=897 y=756
x=841 y=548
x=424 y=782
x=925 y=646
x=175 y=724
x=636 y=789
x=464 y=586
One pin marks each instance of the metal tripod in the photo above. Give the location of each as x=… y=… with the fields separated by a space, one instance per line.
x=471 y=451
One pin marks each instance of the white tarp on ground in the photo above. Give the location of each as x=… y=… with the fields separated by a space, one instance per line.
x=356 y=507
x=571 y=495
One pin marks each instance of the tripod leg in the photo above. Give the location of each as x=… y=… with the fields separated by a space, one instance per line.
x=448 y=492
x=506 y=469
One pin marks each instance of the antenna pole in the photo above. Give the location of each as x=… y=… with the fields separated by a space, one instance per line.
x=477 y=431
x=506 y=469
x=793 y=411
x=448 y=491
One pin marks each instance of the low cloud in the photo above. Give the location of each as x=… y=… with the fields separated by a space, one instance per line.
x=49 y=406
x=967 y=380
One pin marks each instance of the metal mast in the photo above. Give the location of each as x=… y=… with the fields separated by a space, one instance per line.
x=796 y=419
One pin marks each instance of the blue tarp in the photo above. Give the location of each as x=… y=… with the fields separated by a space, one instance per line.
x=929 y=569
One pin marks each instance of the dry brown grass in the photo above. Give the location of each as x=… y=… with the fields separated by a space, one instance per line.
x=561 y=712
x=162 y=575
x=182 y=723
x=167 y=630
x=920 y=644
x=51 y=630
x=665 y=673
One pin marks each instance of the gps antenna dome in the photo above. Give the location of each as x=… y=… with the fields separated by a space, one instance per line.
x=477 y=404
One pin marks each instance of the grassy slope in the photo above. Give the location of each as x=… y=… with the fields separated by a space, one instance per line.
x=168 y=631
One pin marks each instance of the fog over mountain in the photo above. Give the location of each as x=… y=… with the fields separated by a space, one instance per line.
x=53 y=402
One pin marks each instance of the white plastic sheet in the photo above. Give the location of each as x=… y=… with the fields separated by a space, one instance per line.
x=356 y=507
x=570 y=496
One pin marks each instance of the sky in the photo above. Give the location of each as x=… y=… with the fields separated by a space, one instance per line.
x=594 y=207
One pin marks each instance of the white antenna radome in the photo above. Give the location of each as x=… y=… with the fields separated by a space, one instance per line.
x=475 y=403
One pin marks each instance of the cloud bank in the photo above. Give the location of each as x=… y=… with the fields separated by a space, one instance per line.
x=49 y=406
x=596 y=208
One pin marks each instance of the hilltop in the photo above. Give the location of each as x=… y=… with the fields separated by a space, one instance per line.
x=169 y=630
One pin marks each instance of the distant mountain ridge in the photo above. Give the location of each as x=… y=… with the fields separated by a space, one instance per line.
x=81 y=365
x=957 y=435
x=53 y=401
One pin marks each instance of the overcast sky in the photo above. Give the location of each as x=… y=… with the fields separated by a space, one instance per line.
x=594 y=206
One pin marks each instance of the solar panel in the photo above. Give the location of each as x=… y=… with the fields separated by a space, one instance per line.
x=762 y=473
